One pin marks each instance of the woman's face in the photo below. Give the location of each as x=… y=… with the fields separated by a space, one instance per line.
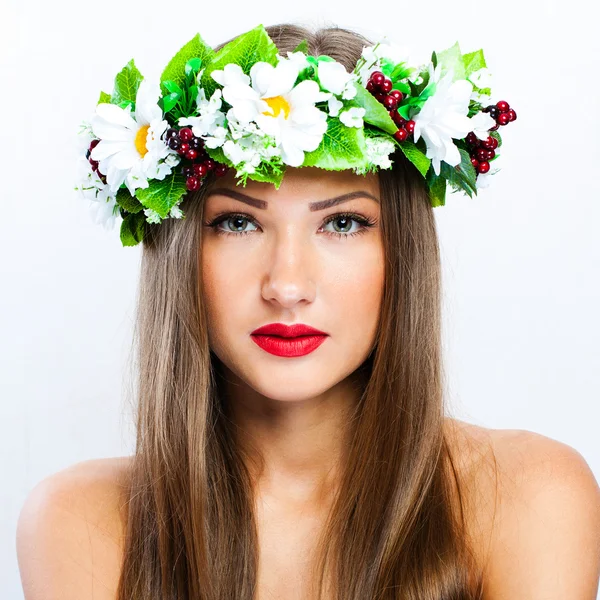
x=279 y=260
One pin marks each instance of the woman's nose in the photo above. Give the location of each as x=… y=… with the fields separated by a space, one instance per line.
x=288 y=274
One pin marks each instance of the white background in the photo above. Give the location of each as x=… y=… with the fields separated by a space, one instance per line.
x=521 y=260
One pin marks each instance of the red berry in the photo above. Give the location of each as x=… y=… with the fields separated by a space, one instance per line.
x=490 y=154
x=187 y=170
x=503 y=106
x=210 y=164
x=221 y=169
x=174 y=143
x=191 y=154
x=94 y=143
x=472 y=139
x=503 y=119
x=397 y=118
x=377 y=77
x=487 y=144
x=481 y=154
x=410 y=126
x=483 y=167
x=401 y=135
x=512 y=115
x=398 y=95
x=193 y=183
x=371 y=87
x=183 y=149
x=390 y=102
x=200 y=169
x=474 y=162
x=381 y=96
x=494 y=128
x=386 y=86
x=185 y=134
x=94 y=164
x=196 y=143
x=171 y=132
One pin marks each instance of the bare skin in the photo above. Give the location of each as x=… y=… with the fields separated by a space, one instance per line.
x=543 y=545
x=538 y=538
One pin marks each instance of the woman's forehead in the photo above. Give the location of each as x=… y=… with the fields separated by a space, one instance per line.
x=301 y=184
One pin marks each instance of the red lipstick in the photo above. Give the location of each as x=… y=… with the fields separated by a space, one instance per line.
x=288 y=340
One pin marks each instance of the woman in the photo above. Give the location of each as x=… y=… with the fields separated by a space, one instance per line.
x=323 y=467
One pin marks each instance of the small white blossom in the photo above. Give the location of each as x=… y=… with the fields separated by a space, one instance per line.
x=379 y=150
x=153 y=216
x=353 y=117
x=334 y=106
x=176 y=212
x=210 y=116
x=481 y=123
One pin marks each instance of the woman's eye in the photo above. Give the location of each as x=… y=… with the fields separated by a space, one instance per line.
x=238 y=224
x=343 y=225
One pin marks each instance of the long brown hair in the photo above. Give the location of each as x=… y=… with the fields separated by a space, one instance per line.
x=397 y=528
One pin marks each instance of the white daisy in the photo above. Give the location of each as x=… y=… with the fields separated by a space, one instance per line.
x=444 y=117
x=282 y=110
x=131 y=150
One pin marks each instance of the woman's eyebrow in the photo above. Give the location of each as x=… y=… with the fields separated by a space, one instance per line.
x=320 y=205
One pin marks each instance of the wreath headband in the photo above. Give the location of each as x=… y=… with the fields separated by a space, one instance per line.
x=249 y=108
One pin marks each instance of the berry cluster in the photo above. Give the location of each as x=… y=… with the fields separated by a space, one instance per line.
x=196 y=163
x=381 y=87
x=481 y=152
x=93 y=162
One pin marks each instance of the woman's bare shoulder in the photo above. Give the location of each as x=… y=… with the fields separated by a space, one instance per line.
x=534 y=511
x=71 y=531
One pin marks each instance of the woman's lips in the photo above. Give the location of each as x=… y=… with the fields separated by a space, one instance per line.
x=291 y=346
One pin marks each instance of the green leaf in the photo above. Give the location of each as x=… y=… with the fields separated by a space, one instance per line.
x=451 y=58
x=268 y=175
x=195 y=48
x=402 y=86
x=218 y=155
x=167 y=102
x=104 y=98
x=473 y=62
x=162 y=195
x=437 y=189
x=434 y=59
x=132 y=229
x=128 y=202
x=127 y=83
x=172 y=87
x=401 y=71
x=192 y=66
x=463 y=176
x=415 y=156
x=341 y=148
x=245 y=50
x=376 y=114
x=302 y=47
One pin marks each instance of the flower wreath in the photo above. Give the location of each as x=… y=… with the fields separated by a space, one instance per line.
x=249 y=108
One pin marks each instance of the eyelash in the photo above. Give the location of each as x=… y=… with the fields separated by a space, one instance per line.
x=364 y=221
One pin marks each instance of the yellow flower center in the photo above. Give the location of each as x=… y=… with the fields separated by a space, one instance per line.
x=140 y=140
x=277 y=104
